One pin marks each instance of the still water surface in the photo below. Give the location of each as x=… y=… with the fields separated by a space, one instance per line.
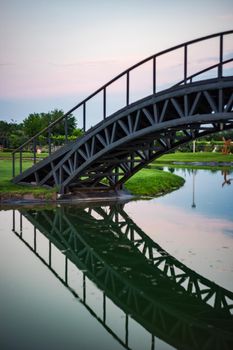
x=147 y=274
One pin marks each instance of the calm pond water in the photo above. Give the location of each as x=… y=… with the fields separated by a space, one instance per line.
x=147 y=274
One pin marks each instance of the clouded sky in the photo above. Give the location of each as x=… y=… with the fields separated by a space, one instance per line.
x=55 y=52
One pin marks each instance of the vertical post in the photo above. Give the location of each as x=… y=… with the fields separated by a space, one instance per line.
x=186 y=105
x=220 y=100
x=185 y=63
x=220 y=56
x=60 y=222
x=66 y=129
x=126 y=329
x=50 y=253
x=20 y=161
x=84 y=288
x=131 y=234
x=84 y=116
x=104 y=102
x=104 y=307
x=66 y=270
x=13 y=164
x=34 y=151
x=193 y=203
x=127 y=88
x=152 y=342
x=49 y=134
x=35 y=238
x=60 y=175
x=13 y=229
x=154 y=75
x=21 y=225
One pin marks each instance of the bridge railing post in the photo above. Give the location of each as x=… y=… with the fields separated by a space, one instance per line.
x=220 y=70
x=34 y=151
x=20 y=161
x=66 y=129
x=84 y=116
x=104 y=103
x=185 y=63
x=13 y=164
x=49 y=141
x=154 y=75
x=127 y=88
x=104 y=307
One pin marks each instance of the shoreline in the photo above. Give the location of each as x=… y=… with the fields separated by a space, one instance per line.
x=30 y=198
x=79 y=198
x=210 y=164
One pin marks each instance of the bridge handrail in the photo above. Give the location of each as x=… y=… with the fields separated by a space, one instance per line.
x=190 y=77
x=127 y=74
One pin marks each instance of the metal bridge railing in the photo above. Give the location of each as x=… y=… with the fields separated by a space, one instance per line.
x=32 y=143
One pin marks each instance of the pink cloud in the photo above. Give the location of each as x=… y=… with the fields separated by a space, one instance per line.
x=41 y=79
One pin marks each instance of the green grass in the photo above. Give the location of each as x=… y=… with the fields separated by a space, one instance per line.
x=8 y=188
x=153 y=181
x=201 y=157
x=25 y=155
x=195 y=157
x=146 y=182
x=150 y=182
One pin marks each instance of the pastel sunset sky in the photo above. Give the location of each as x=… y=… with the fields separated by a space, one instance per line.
x=53 y=53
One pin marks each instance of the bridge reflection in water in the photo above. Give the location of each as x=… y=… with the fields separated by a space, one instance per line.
x=103 y=245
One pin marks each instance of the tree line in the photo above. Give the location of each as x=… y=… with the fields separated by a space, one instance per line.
x=13 y=134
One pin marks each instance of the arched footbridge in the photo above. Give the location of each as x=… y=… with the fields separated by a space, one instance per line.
x=122 y=143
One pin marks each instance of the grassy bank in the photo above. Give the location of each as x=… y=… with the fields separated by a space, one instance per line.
x=146 y=182
x=205 y=160
x=150 y=182
x=195 y=157
x=153 y=182
x=8 y=189
x=25 y=155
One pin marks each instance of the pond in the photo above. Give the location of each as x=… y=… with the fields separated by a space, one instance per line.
x=146 y=274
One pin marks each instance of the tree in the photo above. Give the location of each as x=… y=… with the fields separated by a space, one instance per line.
x=59 y=129
x=17 y=138
x=77 y=133
x=36 y=122
x=7 y=130
x=12 y=135
x=33 y=124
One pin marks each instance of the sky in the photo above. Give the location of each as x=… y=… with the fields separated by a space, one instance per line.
x=53 y=53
